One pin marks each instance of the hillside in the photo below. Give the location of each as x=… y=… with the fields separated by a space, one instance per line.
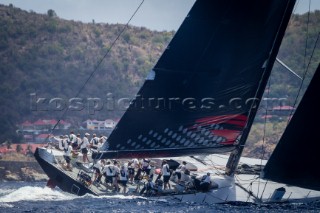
x=296 y=52
x=50 y=58
x=43 y=56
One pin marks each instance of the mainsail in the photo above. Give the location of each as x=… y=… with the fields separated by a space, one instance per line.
x=204 y=90
x=295 y=160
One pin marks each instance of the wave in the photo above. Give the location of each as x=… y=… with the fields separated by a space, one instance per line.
x=5 y=191
x=33 y=193
x=117 y=196
x=36 y=193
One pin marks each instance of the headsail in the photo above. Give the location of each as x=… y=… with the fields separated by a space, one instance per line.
x=295 y=160
x=198 y=96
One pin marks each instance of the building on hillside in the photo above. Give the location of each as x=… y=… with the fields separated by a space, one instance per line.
x=28 y=138
x=283 y=110
x=99 y=125
x=42 y=125
x=46 y=125
x=26 y=126
x=34 y=132
x=42 y=138
x=109 y=124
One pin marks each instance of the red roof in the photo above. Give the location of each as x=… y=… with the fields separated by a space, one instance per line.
x=5 y=150
x=27 y=123
x=45 y=122
x=44 y=136
x=39 y=123
x=24 y=147
x=52 y=122
x=266 y=116
x=64 y=122
x=283 y=108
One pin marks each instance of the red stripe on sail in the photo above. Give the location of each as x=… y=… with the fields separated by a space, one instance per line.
x=229 y=135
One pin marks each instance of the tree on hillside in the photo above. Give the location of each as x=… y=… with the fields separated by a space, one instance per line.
x=51 y=13
x=29 y=151
x=8 y=143
x=19 y=148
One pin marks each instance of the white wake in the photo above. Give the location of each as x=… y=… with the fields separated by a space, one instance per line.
x=32 y=193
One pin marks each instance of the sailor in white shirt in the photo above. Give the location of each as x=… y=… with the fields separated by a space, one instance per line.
x=181 y=170
x=98 y=166
x=66 y=142
x=205 y=183
x=146 y=166
x=165 y=171
x=60 y=142
x=116 y=175
x=67 y=156
x=135 y=163
x=101 y=140
x=108 y=171
x=72 y=137
x=94 y=142
x=77 y=142
x=84 y=147
x=123 y=178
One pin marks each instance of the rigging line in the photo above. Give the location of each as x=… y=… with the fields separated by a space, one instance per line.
x=307 y=36
x=288 y=68
x=304 y=76
x=264 y=72
x=265 y=185
x=100 y=61
x=264 y=134
x=248 y=180
x=294 y=10
x=295 y=7
x=247 y=190
x=216 y=167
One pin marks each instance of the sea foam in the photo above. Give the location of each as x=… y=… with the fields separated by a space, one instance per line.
x=33 y=193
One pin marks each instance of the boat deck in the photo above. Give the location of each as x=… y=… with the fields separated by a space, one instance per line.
x=80 y=171
x=245 y=187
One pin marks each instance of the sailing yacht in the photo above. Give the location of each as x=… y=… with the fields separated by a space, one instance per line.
x=198 y=104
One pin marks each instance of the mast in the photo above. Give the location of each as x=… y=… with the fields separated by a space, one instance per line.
x=235 y=155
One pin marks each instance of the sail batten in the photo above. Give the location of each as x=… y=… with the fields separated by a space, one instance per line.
x=205 y=83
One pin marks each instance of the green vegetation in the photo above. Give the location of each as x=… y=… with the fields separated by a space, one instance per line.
x=285 y=85
x=52 y=57
x=44 y=55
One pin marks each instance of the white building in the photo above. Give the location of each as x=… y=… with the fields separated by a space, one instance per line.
x=99 y=125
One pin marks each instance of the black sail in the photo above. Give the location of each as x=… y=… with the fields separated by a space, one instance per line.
x=199 y=96
x=295 y=160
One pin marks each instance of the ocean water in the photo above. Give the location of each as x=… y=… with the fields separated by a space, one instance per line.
x=35 y=197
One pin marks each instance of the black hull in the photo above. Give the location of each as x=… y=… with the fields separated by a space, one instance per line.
x=59 y=177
